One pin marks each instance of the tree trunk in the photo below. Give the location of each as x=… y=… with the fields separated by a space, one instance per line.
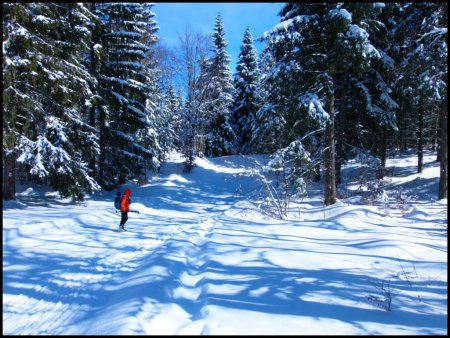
x=92 y=124
x=9 y=178
x=102 y=144
x=339 y=157
x=330 y=173
x=443 y=149
x=435 y=146
x=95 y=67
x=317 y=173
x=9 y=139
x=420 y=139
x=383 y=152
x=438 y=137
x=338 y=171
x=93 y=109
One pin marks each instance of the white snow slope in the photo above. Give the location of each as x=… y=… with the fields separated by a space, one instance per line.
x=200 y=259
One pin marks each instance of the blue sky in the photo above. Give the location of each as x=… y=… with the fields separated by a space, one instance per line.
x=260 y=17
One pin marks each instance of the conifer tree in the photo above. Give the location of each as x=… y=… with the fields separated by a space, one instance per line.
x=423 y=30
x=169 y=107
x=129 y=30
x=367 y=110
x=149 y=136
x=268 y=126
x=220 y=138
x=246 y=100
x=94 y=62
x=177 y=105
x=313 y=47
x=46 y=94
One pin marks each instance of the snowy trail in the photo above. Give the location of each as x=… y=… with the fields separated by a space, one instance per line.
x=199 y=261
x=106 y=261
x=178 y=262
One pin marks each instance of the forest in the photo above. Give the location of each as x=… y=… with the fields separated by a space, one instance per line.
x=90 y=101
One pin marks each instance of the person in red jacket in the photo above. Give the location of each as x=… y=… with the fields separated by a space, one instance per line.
x=125 y=208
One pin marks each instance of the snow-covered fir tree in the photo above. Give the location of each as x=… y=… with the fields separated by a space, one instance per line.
x=46 y=94
x=246 y=96
x=88 y=102
x=156 y=79
x=367 y=111
x=168 y=109
x=268 y=126
x=177 y=118
x=422 y=84
x=129 y=30
x=94 y=61
x=220 y=138
x=313 y=47
x=149 y=136
x=176 y=105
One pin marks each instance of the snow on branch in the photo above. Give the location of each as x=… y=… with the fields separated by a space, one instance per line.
x=126 y=63
x=126 y=137
x=314 y=106
x=288 y=25
x=124 y=34
x=136 y=110
x=357 y=33
x=340 y=13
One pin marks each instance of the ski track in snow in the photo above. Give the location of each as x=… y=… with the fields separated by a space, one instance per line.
x=185 y=245
x=106 y=270
x=80 y=276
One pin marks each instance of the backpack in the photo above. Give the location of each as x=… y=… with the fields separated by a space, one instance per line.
x=117 y=202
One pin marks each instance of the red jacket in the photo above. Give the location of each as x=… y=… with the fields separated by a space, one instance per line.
x=125 y=203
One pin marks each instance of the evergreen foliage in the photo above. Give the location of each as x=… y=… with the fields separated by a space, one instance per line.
x=46 y=93
x=246 y=96
x=89 y=100
x=129 y=29
x=268 y=126
x=421 y=82
x=220 y=138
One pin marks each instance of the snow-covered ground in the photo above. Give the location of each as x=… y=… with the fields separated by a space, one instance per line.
x=201 y=259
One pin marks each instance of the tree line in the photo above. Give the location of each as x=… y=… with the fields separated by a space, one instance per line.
x=89 y=100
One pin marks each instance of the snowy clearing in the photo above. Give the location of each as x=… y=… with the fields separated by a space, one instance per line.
x=201 y=259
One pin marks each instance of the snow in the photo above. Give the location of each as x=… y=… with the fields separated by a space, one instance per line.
x=126 y=63
x=123 y=33
x=287 y=25
x=342 y=13
x=388 y=62
x=356 y=32
x=43 y=19
x=314 y=106
x=202 y=259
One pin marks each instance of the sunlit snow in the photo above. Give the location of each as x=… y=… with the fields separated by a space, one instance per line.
x=201 y=258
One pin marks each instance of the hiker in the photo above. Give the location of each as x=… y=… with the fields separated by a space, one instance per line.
x=125 y=208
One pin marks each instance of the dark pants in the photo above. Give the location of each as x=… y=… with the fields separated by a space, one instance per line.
x=124 y=218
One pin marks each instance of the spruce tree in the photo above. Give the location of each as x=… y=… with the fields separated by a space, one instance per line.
x=176 y=105
x=245 y=101
x=268 y=126
x=220 y=138
x=94 y=62
x=422 y=82
x=367 y=110
x=130 y=135
x=167 y=111
x=313 y=47
x=47 y=94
